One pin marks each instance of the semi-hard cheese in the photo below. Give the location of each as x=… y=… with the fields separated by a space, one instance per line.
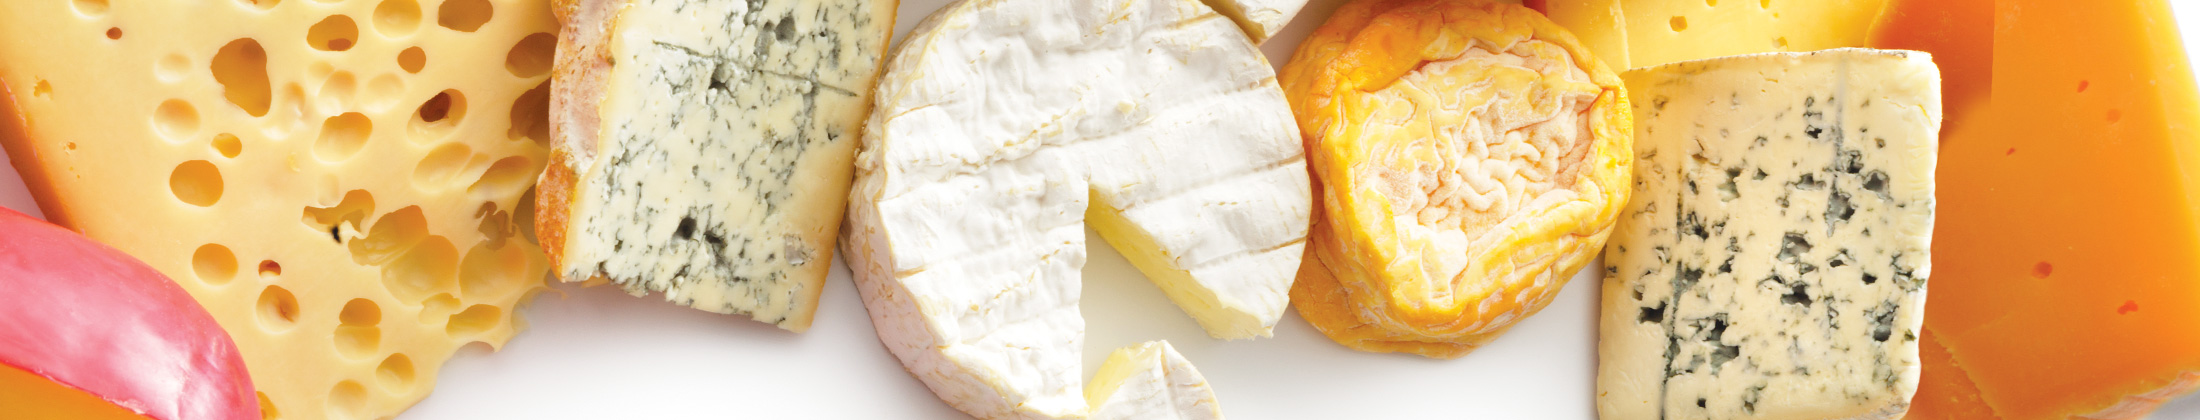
x=1471 y=157
x=2065 y=267
x=1653 y=32
x=339 y=184
x=1003 y=127
x=1773 y=262
x=703 y=147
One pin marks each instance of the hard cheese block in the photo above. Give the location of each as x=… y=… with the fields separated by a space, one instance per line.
x=2065 y=268
x=339 y=184
x=1471 y=157
x=1643 y=33
x=1004 y=128
x=704 y=147
x=1773 y=262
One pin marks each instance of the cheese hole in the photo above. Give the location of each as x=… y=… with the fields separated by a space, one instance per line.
x=357 y=333
x=2115 y=115
x=496 y=226
x=1679 y=23
x=489 y=271
x=1764 y=4
x=473 y=321
x=347 y=401
x=214 y=264
x=383 y=92
x=523 y=215
x=262 y=4
x=2042 y=270
x=270 y=269
x=292 y=114
x=228 y=145
x=176 y=119
x=334 y=33
x=389 y=237
x=428 y=269
x=438 y=115
x=531 y=115
x=505 y=178
x=396 y=18
x=196 y=182
x=1781 y=43
x=441 y=166
x=338 y=91
x=395 y=373
x=241 y=68
x=532 y=56
x=354 y=208
x=342 y=136
x=114 y=33
x=1711 y=3
x=278 y=309
x=463 y=15
x=2082 y=84
x=171 y=67
x=438 y=308
x=90 y=8
x=267 y=408
x=412 y=59
x=42 y=89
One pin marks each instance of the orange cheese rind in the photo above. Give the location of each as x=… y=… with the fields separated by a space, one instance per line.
x=1470 y=155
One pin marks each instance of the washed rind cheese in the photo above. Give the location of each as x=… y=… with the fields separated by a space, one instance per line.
x=702 y=146
x=1002 y=128
x=1150 y=381
x=1773 y=262
x=1470 y=156
x=341 y=185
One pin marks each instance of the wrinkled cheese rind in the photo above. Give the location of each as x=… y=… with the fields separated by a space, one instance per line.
x=1470 y=156
x=288 y=165
x=1001 y=123
x=725 y=139
x=1774 y=261
x=1150 y=381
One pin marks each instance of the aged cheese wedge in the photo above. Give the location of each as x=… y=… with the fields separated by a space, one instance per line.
x=1003 y=127
x=1774 y=260
x=1471 y=154
x=2064 y=264
x=1150 y=381
x=1643 y=33
x=339 y=184
x=703 y=147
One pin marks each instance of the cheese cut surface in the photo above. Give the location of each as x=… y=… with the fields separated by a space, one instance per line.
x=703 y=146
x=339 y=184
x=1654 y=32
x=1002 y=127
x=1471 y=156
x=1150 y=381
x=2064 y=267
x=1773 y=263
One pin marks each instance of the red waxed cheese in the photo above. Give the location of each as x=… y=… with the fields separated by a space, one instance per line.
x=90 y=318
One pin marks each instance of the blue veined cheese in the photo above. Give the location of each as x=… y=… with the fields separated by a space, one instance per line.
x=704 y=147
x=1773 y=263
x=1004 y=127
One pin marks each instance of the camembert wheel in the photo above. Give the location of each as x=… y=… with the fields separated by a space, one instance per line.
x=1468 y=157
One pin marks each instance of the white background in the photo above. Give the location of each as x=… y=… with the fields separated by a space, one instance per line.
x=593 y=353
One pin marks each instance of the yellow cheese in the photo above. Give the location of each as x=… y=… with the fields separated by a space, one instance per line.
x=1654 y=32
x=340 y=184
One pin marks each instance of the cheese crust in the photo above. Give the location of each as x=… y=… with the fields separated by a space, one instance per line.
x=1470 y=156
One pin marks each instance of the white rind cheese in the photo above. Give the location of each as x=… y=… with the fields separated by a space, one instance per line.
x=1150 y=381
x=1774 y=260
x=723 y=137
x=1260 y=19
x=1001 y=126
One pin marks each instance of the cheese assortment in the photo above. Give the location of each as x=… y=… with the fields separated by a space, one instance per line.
x=1773 y=263
x=703 y=147
x=1471 y=157
x=1002 y=128
x=2063 y=281
x=341 y=185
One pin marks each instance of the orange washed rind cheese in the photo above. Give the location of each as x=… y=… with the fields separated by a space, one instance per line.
x=1471 y=155
x=339 y=184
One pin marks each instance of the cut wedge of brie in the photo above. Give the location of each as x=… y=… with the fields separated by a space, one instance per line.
x=1002 y=126
x=1150 y=381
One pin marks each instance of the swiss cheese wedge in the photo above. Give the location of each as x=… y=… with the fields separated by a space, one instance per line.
x=339 y=184
x=1471 y=155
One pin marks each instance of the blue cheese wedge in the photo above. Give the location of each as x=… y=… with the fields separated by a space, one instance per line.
x=703 y=148
x=1773 y=263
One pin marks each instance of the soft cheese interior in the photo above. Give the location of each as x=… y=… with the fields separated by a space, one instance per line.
x=1773 y=263
x=727 y=132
